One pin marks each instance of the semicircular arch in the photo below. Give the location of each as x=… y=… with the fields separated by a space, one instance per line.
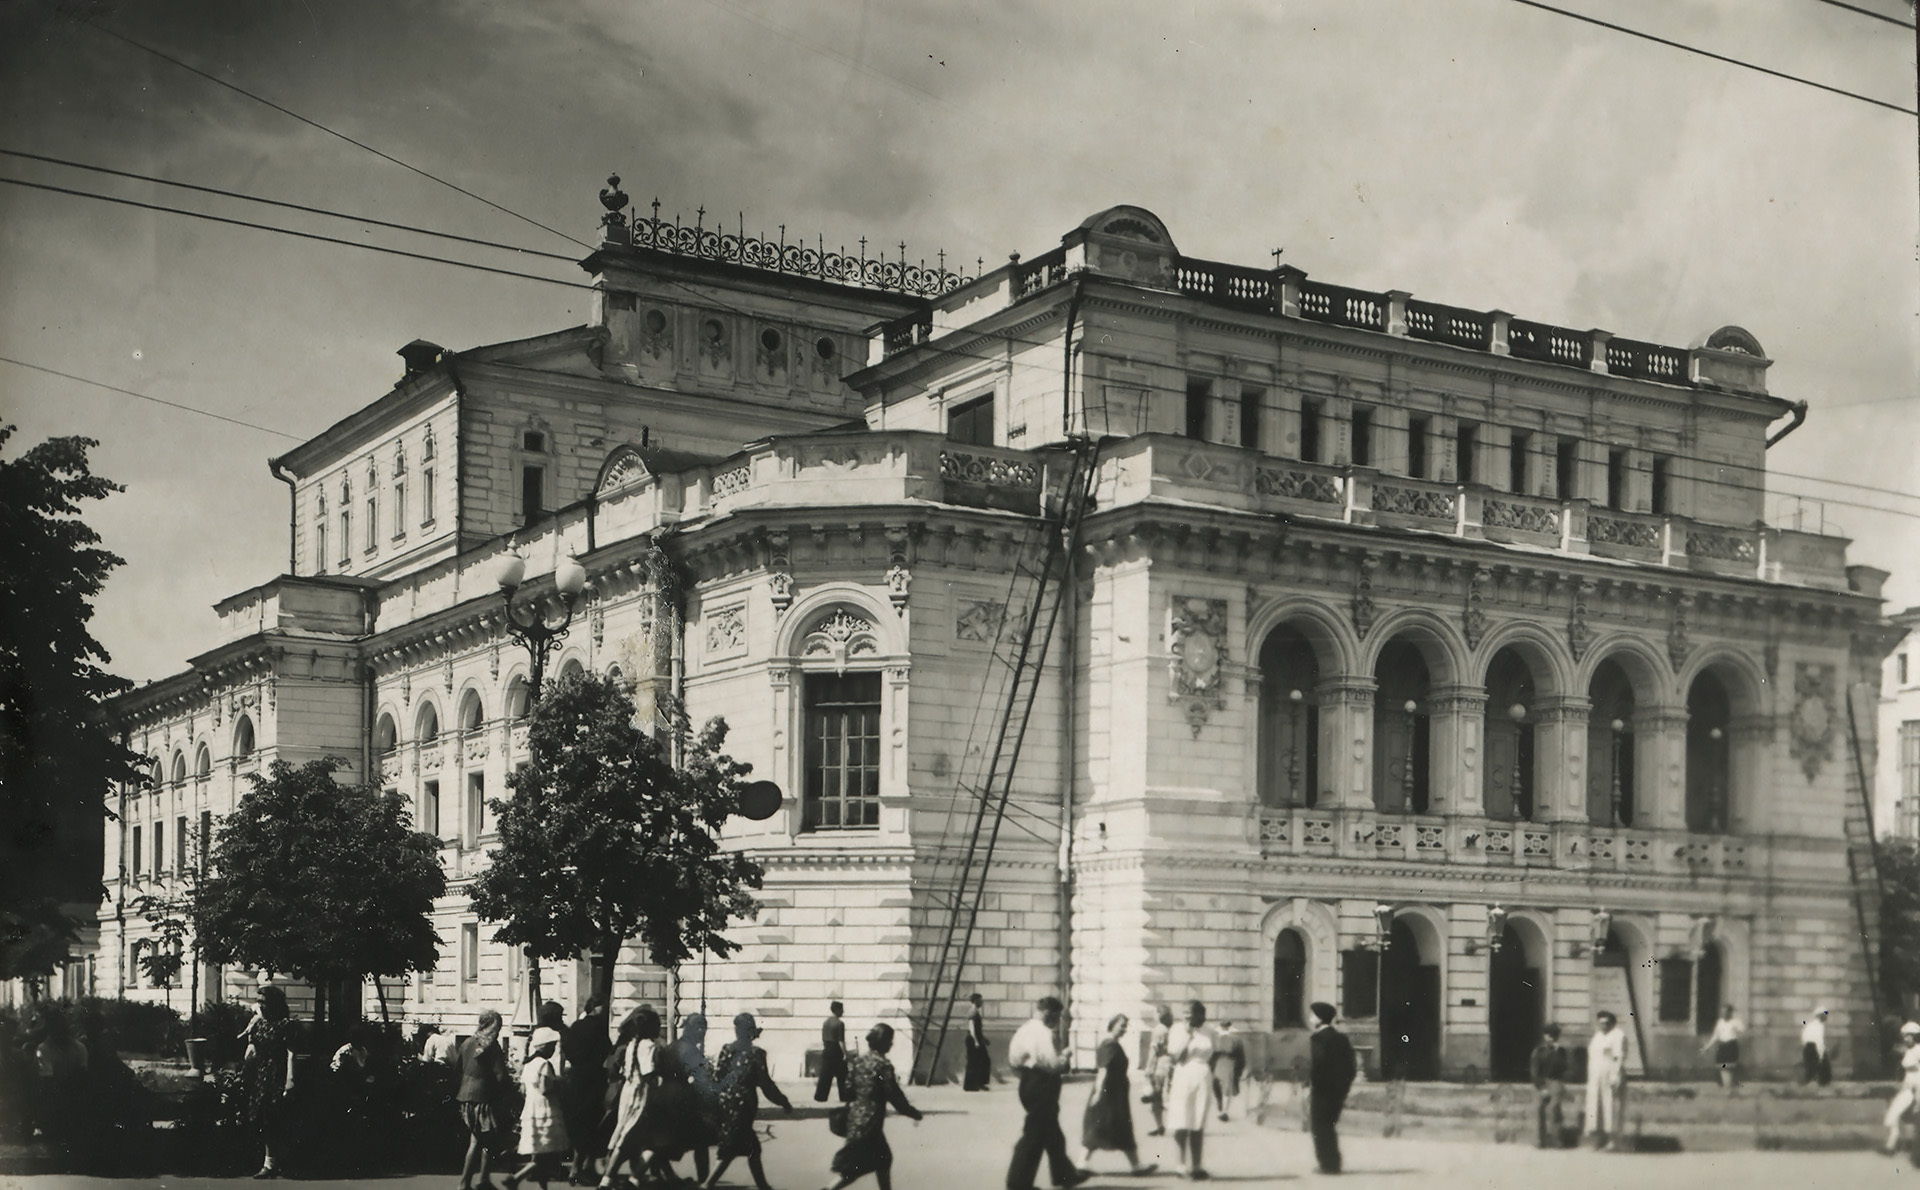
x=1336 y=648
x=1546 y=655
x=813 y=610
x=1746 y=683
x=1645 y=665
x=1438 y=641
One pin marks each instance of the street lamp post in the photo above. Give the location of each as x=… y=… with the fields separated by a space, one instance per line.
x=1619 y=729
x=1411 y=708
x=1518 y=713
x=1294 y=699
x=528 y=624
x=1382 y=938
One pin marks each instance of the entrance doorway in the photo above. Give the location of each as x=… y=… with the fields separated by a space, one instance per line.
x=1515 y=1012
x=1409 y=1008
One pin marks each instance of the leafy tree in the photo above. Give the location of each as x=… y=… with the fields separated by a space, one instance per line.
x=58 y=756
x=165 y=955
x=326 y=882
x=1899 y=864
x=604 y=840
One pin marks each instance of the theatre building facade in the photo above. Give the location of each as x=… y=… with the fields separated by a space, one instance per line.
x=1428 y=661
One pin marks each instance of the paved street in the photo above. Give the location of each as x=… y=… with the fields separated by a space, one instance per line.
x=964 y=1142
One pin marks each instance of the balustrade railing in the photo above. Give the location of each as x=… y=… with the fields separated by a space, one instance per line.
x=1549 y=344
x=1340 y=306
x=1449 y=324
x=1646 y=361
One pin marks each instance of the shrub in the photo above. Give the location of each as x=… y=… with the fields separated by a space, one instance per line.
x=133 y=1026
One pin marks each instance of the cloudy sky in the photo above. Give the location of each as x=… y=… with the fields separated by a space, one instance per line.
x=1483 y=153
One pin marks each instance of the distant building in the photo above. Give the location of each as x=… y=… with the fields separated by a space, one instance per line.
x=1897 y=778
x=1391 y=622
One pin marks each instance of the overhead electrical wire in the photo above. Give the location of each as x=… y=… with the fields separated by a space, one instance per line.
x=291 y=206
x=20 y=363
x=287 y=231
x=1868 y=12
x=1731 y=61
x=311 y=123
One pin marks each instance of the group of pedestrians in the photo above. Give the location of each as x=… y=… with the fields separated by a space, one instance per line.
x=1606 y=1084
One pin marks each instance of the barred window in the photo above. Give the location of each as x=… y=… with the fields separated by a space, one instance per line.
x=1908 y=811
x=842 y=752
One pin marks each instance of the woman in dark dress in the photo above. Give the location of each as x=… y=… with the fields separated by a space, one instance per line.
x=874 y=1087
x=484 y=1079
x=1108 y=1122
x=741 y=1072
x=268 y=1075
x=979 y=1064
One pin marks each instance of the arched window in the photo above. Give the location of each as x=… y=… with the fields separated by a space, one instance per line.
x=1289 y=757
x=320 y=536
x=156 y=774
x=1709 y=755
x=427 y=725
x=519 y=699
x=472 y=715
x=1509 y=776
x=572 y=671
x=386 y=737
x=1289 y=980
x=1401 y=753
x=179 y=768
x=243 y=738
x=1610 y=752
x=203 y=763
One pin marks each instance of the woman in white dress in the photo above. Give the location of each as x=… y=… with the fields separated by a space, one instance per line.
x=639 y=1046
x=1190 y=1090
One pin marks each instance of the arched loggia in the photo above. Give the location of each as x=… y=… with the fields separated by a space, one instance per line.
x=1511 y=774
x=1289 y=756
x=1402 y=736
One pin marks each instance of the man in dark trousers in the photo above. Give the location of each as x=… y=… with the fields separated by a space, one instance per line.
x=1040 y=1064
x=1549 y=1068
x=1330 y=1076
x=833 y=1055
x=586 y=1046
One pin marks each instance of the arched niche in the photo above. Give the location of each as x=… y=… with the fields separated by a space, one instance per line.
x=1290 y=764
x=1403 y=755
x=1316 y=926
x=1510 y=776
x=473 y=711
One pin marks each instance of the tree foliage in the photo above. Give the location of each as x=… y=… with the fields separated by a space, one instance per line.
x=58 y=756
x=605 y=841
x=1899 y=864
x=326 y=882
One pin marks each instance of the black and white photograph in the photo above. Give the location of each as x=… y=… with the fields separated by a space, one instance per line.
x=822 y=593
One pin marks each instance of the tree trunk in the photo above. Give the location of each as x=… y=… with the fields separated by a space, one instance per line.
x=193 y=997
x=380 y=991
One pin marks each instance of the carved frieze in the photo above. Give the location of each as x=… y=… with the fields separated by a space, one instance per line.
x=1473 y=621
x=1814 y=716
x=1363 y=606
x=978 y=620
x=1679 y=640
x=841 y=636
x=1197 y=636
x=726 y=630
x=779 y=570
x=1579 y=632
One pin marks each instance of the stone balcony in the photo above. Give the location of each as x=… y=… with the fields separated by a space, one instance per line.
x=1566 y=847
x=1162 y=467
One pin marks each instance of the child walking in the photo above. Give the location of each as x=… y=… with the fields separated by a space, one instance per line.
x=543 y=1129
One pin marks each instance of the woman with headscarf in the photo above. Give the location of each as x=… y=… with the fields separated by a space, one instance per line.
x=268 y=1074
x=543 y=1129
x=1108 y=1120
x=874 y=1088
x=691 y=1049
x=639 y=1052
x=742 y=1075
x=1190 y=1090
x=483 y=1083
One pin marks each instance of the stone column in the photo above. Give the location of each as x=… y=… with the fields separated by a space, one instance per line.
x=1390 y=452
x=1442 y=434
x=1337 y=432
x=1346 y=740
x=1560 y=760
x=1638 y=493
x=1457 y=716
x=1660 y=767
x=1749 y=737
x=1496 y=451
x=1280 y=423
x=1223 y=412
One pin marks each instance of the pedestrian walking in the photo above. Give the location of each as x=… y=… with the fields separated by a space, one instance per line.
x=691 y=1049
x=62 y=1062
x=1229 y=1063
x=833 y=1054
x=586 y=1047
x=1549 y=1070
x=874 y=1089
x=1903 y=1100
x=1330 y=1073
x=1190 y=1087
x=268 y=1075
x=543 y=1124
x=742 y=1075
x=1157 y=1068
x=669 y=1124
x=1108 y=1120
x=483 y=1085
x=1724 y=1043
x=1814 y=1063
x=979 y=1063
x=639 y=1053
x=1606 y=1079
x=1033 y=1055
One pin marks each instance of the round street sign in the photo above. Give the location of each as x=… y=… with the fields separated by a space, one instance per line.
x=760 y=800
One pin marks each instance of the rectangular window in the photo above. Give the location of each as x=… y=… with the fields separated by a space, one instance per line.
x=1616 y=479
x=1199 y=393
x=1465 y=446
x=532 y=494
x=159 y=848
x=476 y=807
x=1908 y=810
x=1251 y=399
x=320 y=544
x=1362 y=437
x=1900 y=669
x=430 y=808
x=1417 y=431
x=180 y=843
x=971 y=422
x=1310 y=412
x=139 y=856
x=470 y=952
x=206 y=838
x=1359 y=984
x=399 y=508
x=1676 y=989
x=1662 y=486
x=842 y=752
x=426 y=495
x=1566 y=468
x=373 y=524
x=346 y=538
x=1520 y=445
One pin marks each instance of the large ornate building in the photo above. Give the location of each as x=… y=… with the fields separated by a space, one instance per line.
x=1429 y=661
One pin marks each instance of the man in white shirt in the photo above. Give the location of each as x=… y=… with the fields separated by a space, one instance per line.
x=1040 y=1064
x=1724 y=1043
x=1909 y=1083
x=1814 y=1066
x=1606 y=1079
